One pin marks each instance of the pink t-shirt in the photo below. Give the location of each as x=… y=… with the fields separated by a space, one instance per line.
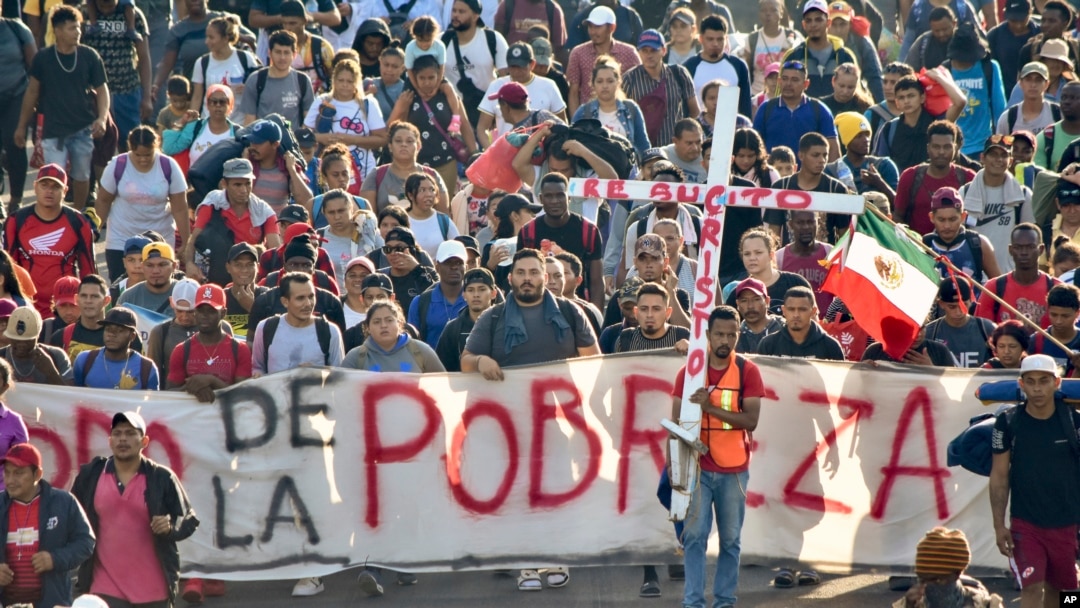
x=809 y=268
x=126 y=564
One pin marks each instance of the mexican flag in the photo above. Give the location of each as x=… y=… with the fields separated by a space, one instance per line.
x=887 y=282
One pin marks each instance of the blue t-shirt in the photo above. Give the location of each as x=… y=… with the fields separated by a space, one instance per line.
x=1041 y=346
x=114 y=374
x=785 y=127
x=984 y=105
x=439 y=313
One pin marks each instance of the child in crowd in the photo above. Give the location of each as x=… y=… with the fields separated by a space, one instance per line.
x=425 y=41
x=345 y=54
x=709 y=94
x=782 y=158
x=178 y=89
x=389 y=86
x=684 y=40
x=772 y=77
x=129 y=19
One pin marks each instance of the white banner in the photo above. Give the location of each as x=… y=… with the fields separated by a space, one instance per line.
x=311 y=471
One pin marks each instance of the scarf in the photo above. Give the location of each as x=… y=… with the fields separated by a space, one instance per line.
x=515 y=334
x=258 y=209
x=975 y=197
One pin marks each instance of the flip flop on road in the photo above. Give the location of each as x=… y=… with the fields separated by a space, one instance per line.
x=529 y=580
x=558 y=577
x=809 y=578
x=649 y=589
x=785 y=579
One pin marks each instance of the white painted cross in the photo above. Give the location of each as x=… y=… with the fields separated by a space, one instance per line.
x=716 y=195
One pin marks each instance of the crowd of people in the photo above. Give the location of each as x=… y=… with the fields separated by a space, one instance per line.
x=385 y=186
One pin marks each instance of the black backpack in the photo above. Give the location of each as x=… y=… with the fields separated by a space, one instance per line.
x=212 y=248
x=470 y=93
x=1013 y=114
x=322 y=330
x=975 y=242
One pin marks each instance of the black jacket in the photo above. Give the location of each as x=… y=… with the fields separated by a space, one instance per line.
x=939 y=354
x=452 y=340
x=818 y=345
x=164 y=496
x=64 y=532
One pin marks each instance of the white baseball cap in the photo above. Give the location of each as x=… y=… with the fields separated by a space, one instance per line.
x=89 y=601
x=816 y=5
x=451 y=249
x=184 y=291
x=1040 y=363
x=601 y=15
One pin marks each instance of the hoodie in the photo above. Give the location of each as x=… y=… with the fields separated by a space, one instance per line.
x=371 y=27
x=820 y=74
x=818 y=345
x=406 y=356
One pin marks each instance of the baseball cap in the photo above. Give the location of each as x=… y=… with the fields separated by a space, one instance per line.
x=212 y=295
x=121 y=316
x=23 y=324
x=184 y=291
x=54 y=172
x=292 y=8
x=470 y=243
x=753 y=285
x=511 y=92
x=240 y=249
x=1035 y=67
x=130 y=417
x=519 y=55
x=650 y=244
x=479 y=275
x=515 y=202
x=601 y=15
x=1040 y=363
x=629 y=290
x=946 y=198
x=65 y=290
x=297 y=229
x=135 y=245
x=1068 y=193
x=362 y=260
x=998 y=141
x=262 y=131
x=158 y=250
x=650 y=39
x=89 y=601
x=772 y=68
x=293 y=214
x=23 y=455
x=403 y=234
x=449 y=250
x=1017 y=8
x=952 y=292
x=237 y=168
x=840 y=10
x=542 y=51
x=686 y=16
x=377 y=279
x=7 y=306
x=305 y=137
x=815 y=5
x=653 y=154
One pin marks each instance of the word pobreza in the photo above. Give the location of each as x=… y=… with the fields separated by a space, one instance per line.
x=715 y=196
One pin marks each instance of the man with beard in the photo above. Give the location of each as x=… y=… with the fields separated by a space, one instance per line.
x=730 y=404
x=752 y=300
x=940 y=560
x=818 y=45
x=931 y=48
x=479 y=295
x=154 y=293
x=653 y=266
x=533 y=326
x=432 y=310
x=473 y=51
x=800 y=114
x=116 y=365
x=805 y=253
x=653 y=331
x=918 y=184
x=211 y=359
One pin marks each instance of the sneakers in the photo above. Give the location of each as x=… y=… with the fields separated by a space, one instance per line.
x=133 y=36
x=193 y=591
x=369 y=583
x=307 y=587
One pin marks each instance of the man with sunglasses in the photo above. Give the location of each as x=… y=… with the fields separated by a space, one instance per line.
x=785 y=119
x=995 y=201
x=409 y=277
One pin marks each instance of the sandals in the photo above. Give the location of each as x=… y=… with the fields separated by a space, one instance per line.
x=649 y=589
x=785 y=579
x=529 y=580
x=809 y=578
x=558 y=577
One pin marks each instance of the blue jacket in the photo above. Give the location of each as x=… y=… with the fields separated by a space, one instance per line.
x=64 y=532
x=629 y=116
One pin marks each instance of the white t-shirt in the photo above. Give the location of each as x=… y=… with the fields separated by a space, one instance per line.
x=205 y=139
x=352 y=118
x=1043 y=120
x=228 y=71
x=344 y=40
x=340 y=249
x=610 y=120
x=142 y=200
x=708 y=72
x=543 y=95
x=428 y=234
x=480 y=67
x=352 y=317
x=768 y=50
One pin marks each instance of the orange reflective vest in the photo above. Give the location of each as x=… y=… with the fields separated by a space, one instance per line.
x=729 y=447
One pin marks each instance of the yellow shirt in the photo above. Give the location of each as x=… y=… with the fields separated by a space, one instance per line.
x=33 y=7
x=303 y=63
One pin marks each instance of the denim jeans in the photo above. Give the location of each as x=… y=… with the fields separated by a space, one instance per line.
x=722 y=495
x=76 y=148
x=126 y=108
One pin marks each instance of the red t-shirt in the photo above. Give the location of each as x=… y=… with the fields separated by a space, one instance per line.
x=920 y=214
x=217 y=361
x=241 y=226
x=752 y=386
x=50 y=250
x=22 y=543
x=126 y=565
x=1030 y=300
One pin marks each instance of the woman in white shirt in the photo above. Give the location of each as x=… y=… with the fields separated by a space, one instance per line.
x=430 y=227
x=195 y=135
x=224 y=64
x=141 y=190
x=346 y=115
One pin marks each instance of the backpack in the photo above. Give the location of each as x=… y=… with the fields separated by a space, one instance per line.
x=774 y=103
x=999 y=290
x=212 y=246
x=588 y=237
x=1048 y=149
x=397 y=17
x=145 y=366
x=75 y=219
x=566 y=309
x=1013 y=114
x=322 y=330
x=916 y=185
x=231 y=339
x=122 y=162
x=508 y=14
x=317 y=63
x=971 y=449
x=987 y=69
x=305 y=91
x=204 y=64
x=414 y=350
x=470 y=93
x=974 y=241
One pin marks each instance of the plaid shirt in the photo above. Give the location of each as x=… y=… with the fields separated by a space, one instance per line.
x=584 y=55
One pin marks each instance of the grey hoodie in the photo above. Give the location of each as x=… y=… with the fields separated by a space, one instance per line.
x=407 y=356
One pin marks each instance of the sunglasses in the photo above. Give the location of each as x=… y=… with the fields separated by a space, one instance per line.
x=897 y=69
x=398 y=249
x=994 y=140
x=217 y=101
x=794 y=65
x=1069 y=197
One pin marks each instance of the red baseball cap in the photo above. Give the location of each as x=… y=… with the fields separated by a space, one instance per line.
x=212 y=295
x=295 y=230
x=23 y=455
x=54 y=172
x=752 y=285
x=65 y=290
x=511 y=92
x=946 y=198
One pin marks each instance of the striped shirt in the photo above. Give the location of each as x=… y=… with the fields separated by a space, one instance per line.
x=631 y=339
x=584 y=56
x=637 y=83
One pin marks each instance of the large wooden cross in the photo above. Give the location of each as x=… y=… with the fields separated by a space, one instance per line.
x=716 y=195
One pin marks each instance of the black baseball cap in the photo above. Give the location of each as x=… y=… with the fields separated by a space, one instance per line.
x=120 y=316
x=952 y=291
x=240 y=249
x=470 y=243
x=403 y=234
x=515 y=202
x=479 y=275
x=1017 y=8
x=377 y=279
x=294 y=214
x=1068 y=193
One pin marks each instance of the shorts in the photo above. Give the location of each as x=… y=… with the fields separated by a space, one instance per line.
x=1044 y=555
x=75 y=149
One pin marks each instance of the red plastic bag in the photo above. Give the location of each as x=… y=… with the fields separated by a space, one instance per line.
x=852 y=338
x=937 y=99
x=493 y=169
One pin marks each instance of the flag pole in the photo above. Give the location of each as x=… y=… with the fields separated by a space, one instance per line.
x=985 y=292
